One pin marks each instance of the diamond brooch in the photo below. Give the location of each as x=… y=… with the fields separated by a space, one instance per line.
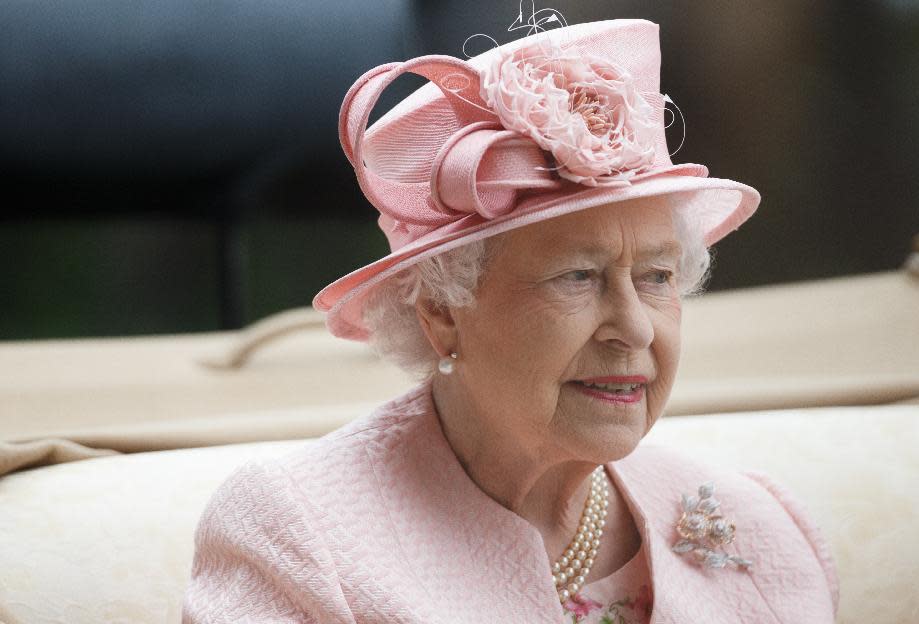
x=704 y=531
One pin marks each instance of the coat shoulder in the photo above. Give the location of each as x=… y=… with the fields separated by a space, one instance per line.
x=773 y=527
x=256 y=558
x=340 y=455
x=805 y=523
x=270 y=543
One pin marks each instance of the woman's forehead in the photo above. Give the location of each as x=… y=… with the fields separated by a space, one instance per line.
x=644 y=230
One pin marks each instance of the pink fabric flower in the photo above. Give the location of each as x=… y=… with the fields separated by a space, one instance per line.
x=644 y=602
x=583 y=109
x=581 y=606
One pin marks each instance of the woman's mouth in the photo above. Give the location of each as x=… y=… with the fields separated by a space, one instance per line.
x=631 y=392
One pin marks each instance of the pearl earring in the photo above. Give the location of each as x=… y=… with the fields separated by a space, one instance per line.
x=445 y=365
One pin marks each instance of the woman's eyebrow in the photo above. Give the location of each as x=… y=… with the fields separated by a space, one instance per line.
x=592 y=253
x=669 y=248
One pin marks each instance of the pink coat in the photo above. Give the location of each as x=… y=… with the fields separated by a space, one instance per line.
x=378 y=522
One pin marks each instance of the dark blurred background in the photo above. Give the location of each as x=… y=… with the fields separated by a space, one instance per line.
x=173 y=166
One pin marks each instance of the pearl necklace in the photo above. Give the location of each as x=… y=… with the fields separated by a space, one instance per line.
x=573 y=566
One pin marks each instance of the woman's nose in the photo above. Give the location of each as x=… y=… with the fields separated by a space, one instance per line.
x=625 y=323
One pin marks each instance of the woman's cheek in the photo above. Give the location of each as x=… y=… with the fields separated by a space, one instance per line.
x=675 y=305
x=569 y=298
x=658 y=394
x=668 y=311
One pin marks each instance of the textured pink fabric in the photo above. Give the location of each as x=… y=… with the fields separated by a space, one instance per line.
x=378 y=522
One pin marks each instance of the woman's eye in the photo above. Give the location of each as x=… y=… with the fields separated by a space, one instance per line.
x=579 y=275
x=661 y=277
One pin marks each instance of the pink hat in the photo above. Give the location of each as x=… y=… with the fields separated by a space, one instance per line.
x=556 y=122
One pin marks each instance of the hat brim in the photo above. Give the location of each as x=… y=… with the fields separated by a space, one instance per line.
x=720 y=205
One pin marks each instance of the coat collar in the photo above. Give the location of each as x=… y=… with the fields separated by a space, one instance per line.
x=652 y=479
x=508 y=553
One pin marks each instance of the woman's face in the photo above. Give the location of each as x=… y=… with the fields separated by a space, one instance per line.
x=565 y=305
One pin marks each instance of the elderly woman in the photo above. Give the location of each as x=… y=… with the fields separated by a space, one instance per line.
x=542 y=241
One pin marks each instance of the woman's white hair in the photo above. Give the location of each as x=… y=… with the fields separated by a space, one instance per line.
x=450 y=279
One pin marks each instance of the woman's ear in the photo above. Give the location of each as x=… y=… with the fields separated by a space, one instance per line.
x=438 y=325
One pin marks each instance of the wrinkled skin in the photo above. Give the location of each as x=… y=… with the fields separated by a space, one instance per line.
x=584 y=295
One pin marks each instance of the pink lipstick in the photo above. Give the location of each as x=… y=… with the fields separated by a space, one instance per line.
x=601 y=380
x=614 y=389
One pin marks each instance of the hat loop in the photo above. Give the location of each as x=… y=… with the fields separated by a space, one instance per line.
x=408 y=202
x=482 y=166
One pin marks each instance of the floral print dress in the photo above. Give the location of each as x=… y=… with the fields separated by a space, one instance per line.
x=623 y=597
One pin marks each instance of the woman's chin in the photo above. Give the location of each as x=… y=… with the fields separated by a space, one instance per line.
x=611 y=444
x=608 y=407
x=608 y=426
